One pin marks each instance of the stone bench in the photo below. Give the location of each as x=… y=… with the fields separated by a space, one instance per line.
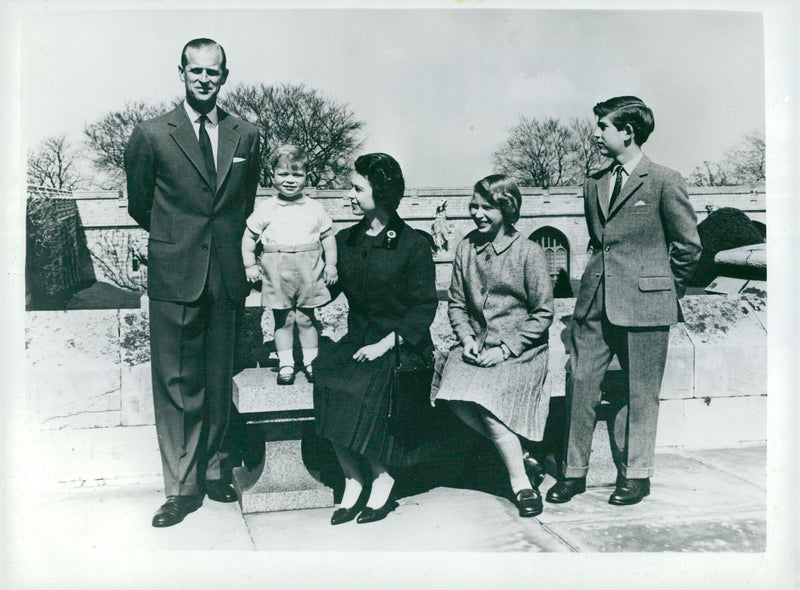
x=280 y=416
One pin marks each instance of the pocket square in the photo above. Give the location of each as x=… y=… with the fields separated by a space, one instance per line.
x=639 y=204
x=237 y=160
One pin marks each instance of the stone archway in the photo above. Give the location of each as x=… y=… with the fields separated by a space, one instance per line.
x=556 y=248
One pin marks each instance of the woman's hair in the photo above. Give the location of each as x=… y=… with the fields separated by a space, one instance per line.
x=293 y=156
x=385 y=177
x=502 y=193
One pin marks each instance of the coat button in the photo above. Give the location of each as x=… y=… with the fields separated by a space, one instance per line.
x=608 y=248
x=488 y=257
x=205 y=247
x=483 y=290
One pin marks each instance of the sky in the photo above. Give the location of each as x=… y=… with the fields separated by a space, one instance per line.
x=437 y=89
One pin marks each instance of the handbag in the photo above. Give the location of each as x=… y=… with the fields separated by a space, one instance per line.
x=411 y=414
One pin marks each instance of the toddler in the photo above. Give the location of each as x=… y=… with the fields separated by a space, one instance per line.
x=298 y=262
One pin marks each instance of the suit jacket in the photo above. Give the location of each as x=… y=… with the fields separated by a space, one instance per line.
x=170 y=196
x=644 y=250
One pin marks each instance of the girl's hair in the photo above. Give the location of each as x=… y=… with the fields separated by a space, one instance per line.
x=502 y=193
x=385 y=177
x=292 y=155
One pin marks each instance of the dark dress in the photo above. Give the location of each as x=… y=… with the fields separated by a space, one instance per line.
x=389 y=282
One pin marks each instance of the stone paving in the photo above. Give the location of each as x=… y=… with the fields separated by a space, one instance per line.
x=701 y=501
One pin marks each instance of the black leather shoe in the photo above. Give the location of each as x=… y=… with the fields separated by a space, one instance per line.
x=175 y=509
x=286 y=378
x=629 y=491
x=565 y=489
x=219 y=491
x=309 y=373
x=376 y=514
x=529 y=502
x=535 y=471
x=343 y=515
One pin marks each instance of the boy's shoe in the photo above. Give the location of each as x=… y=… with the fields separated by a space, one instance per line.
x=309 y=371
x=286 y=376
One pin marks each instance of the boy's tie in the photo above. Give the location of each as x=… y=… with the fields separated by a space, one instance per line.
x=208 y=153
x=617 y=189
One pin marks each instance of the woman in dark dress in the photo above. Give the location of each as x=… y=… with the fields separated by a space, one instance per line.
x=386 y=271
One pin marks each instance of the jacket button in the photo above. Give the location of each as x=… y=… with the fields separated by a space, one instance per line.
x=483 y=290
x=205 y=189
x=205 y=247
x=488 y=257
x=608 y=248
x=597 y=274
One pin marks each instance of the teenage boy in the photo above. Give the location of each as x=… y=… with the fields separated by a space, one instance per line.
x=643 y=249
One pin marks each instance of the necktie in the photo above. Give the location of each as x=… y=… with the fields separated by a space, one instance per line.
x=617 y=189
x=208 y=153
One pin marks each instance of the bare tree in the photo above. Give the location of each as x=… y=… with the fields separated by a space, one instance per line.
x=586 y=159
x=537 y=152
x=743 y=164
x=107 y=137
x=747 y=160
x=54 y=164
x=288 y=113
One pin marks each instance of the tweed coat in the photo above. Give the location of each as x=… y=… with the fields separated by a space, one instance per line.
x=509 y=301
x=170 y=195
x=643 y=251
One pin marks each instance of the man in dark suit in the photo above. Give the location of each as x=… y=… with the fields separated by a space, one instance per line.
x=644 y=248
x=192 y=175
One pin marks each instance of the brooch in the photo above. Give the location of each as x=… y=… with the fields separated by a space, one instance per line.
x=391 y=234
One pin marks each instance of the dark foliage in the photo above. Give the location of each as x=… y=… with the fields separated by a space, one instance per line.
x=57 y=261
x=723 y=229
x=562 y=288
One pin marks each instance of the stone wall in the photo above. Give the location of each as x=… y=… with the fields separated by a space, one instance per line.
x=89 y=401
x=105 y=213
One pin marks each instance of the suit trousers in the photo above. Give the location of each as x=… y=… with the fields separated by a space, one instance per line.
x=642 y=354
x=192 y=346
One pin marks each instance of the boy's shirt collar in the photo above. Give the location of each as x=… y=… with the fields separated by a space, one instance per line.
x=285 y=203
x=630 y=165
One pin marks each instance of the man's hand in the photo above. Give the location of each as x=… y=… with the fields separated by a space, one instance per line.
x=491 y=356
x=330 y=275
x=253 y=273
x=372 y=351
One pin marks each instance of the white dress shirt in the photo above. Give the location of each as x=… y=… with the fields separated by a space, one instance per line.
x=212 y=127
x=627 y=168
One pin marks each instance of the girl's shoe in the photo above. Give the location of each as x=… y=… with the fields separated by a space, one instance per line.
x=286 y=376
x=309 y=371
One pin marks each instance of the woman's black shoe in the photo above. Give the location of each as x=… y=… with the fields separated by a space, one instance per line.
x=529 y=502
x=376 y=514
x=343 y=515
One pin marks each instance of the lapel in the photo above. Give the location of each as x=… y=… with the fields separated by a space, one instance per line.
x=183 y=134
x=603 y=186
x=227 y=142
x=634 y=182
